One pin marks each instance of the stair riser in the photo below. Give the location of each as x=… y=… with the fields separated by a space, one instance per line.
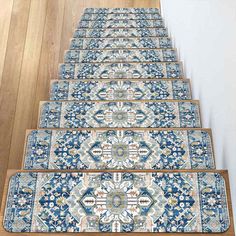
x=117 y=202
x=119 y=114
x=119 y=43
x=120 y=89
x=119 y=16
x=118 y=149
x=120 y=55
x=121 y=70
x=121 y=33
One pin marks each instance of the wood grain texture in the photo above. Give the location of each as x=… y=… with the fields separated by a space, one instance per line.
x=5 y=19
x=11 y=79
x=49 y=59
x=28 y=83
x=72 y=14
x=229 y=232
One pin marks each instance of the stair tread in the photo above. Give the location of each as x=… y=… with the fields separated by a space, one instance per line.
x=120 y=55
x=152 y=114
x=122 y=10
x=121 y=33
x=120 y=16
x=99 y=149
x=115 y=23
x=112 y=43
x=81 y=205
x=120 y=89
x=121 y=70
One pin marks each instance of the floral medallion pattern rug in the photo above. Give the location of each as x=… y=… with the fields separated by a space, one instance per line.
x=120 y=90
x=116 y=202
x=119 y=43
x=76 y=114
x=119 y=149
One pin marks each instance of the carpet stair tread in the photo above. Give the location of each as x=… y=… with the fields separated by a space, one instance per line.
x=121 y=10
x=132 y=70
x=120 y=89
x=119 y=149
x=98 y=114
x=121 y=33
x=120 y=16
x=90 y=202
x=120 y=55
x=106 y=24
x=119 y=43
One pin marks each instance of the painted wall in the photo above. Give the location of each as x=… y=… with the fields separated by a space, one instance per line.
x=204 y=32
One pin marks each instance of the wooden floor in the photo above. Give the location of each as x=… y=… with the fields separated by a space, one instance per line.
x=34 y=35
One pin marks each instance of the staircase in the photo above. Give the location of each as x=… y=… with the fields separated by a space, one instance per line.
x=119 y=146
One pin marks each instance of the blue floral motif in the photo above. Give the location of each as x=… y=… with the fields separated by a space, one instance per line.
x=200 y=149
x=121 y=33
x=75 y=114
x=212 y=188
x=121 y=16
x=174 y=70
x=181 y=91
x=122 y=10
x=120 y=55
x=120 y=90
x=121 y=23
x=121 y=70
x=189 y=115
x=38 y=145
x=21 y=193
x=50 y=114
x=67 y=71
x=120 y=114
x=59 y=90
x=126 y=149
x=117 y=202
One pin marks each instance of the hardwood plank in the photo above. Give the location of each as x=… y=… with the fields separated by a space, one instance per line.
x=10 y=79
x=146 y=3
x=5 y=19
x=224 y=173
x=72 y=13
x=49 y=59
x=28 y=80
x=107 y=3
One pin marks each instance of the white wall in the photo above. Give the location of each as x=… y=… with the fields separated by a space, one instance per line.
x=204 y=32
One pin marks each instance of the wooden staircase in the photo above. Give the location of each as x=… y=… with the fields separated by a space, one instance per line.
x=120 y=146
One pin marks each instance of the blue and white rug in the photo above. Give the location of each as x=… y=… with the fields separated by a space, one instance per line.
x=127 y=70
x=100 y=24
x=82 y=90
x=158 y=114
x=119 y=43
x=122 y=10
x=119 y=149
x=120 y=55
x=117 y=202
x=121 y=33
x=120 y=16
